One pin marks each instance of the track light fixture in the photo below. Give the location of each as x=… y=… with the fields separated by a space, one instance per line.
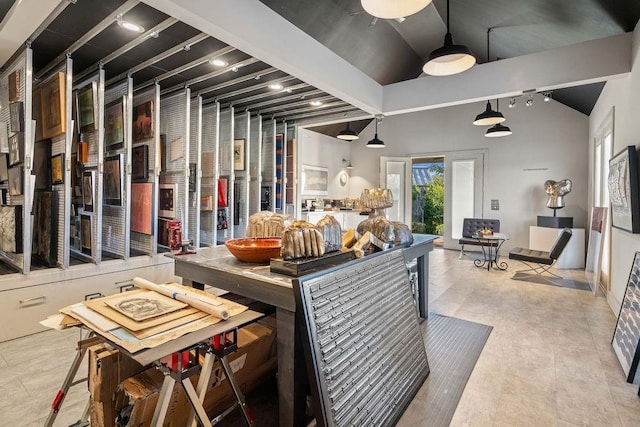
x=512 y=103
x=348 y=134
x=376 y=142
x=128 y=25
x=449 y=59
x=529 y=101
x=393 y=9
x=547 y=96
x=347 y=163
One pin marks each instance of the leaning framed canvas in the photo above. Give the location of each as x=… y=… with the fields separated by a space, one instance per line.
x=624 y=191
x=45 y=235
x=57 y=169
x=53 y=102
x=16 y=149
x=114 y=125
x=143 y=121
x=14 y=85
x=112 y=176
x=11 y=229
x=16 y=117
x=238 y=155
x=87 y=106
x=168 y=196
x=314 y=181
x=86 y=228
x=140 y=163
x=4 y=167
x=626 y=336
x=16 y=175
x=41 y=170
x=88 y=179
x=142 y=207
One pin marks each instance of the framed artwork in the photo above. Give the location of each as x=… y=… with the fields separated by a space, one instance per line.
x=238 y=155
x=176 y=149
x=16 y=149
x=42 y=165
x=3 y=196
x=14 y=85
x=140 y=163
x=86 y=228
x=315 y=180
x=57 y=169
x=193 y=172
x=16 y=117
x=223 y=191
x=206 y=203
x=623 y=190
x=87 y=105
x=4 y=167
x=45 y=236
x=4 y=138
x=162 y=147
x=112 y=175
x=169 y=233
x=83 y=152
x=143 y=121
x=114 y=125
x=15 y=180
x=53 y=104
x=626 y=335
x=11 y=229
x=142 y=207
x=88 y=180
x=168 y=196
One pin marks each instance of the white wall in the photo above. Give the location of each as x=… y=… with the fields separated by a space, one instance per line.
x=623 y=95
x=546 y=135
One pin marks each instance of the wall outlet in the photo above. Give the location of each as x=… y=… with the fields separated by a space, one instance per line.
x=495 y=205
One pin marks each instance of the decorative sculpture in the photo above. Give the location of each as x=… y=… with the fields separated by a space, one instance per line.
x=556 y=192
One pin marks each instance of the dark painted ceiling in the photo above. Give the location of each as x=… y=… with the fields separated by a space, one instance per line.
x=5 y=5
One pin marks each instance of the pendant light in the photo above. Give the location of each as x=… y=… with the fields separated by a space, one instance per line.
x=348 y=134
x=488 y=117
x=376 y=142
x=393 y=9
x=450 y=58
x=498 y=129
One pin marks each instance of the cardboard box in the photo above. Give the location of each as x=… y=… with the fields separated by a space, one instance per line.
x=137 y=396
x=107 y=369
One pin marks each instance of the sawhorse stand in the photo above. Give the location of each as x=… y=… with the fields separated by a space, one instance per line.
x=180 y=366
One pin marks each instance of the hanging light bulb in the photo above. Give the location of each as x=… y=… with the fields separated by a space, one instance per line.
x=449 y=59
x=393 y=9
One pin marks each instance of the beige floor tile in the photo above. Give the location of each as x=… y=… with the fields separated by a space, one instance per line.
x=585 y=403
x=579 y=362
x=523 y=412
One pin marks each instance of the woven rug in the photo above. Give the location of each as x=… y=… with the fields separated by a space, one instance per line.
x=551 y=281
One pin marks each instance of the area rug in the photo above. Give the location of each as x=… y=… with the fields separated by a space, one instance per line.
x=453 y=348
x=552 y=281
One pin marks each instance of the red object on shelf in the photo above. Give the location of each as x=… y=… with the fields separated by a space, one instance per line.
x=223 y=185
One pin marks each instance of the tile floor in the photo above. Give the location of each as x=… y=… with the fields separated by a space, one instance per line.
x=548 y=361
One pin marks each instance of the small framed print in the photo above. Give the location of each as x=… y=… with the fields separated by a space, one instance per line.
x=193 y=175
x=143 y=121
x=87 y=105
x=168 y=200
x=142 y=207
x=53 y=104
x=16 y=176
x=57 y=169
x=238 y=155
x=206 y=203
x=88 y=179
x=14 y=86
x=16 y=149
x=140 y=163
x=112 y=175
x=16 y=117
x=114 y=125
x=4 y=167
x=85 y=233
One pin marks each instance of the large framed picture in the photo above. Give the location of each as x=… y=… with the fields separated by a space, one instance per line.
x=140 y=163
x=624 y=190
x=52 y=102
x=314 y=180
x=112 y=175
x=16 y=175
x=11 y=229
x=143 y=121
x=45 y=235
x=16 y=117
x=238 y=155
x=14 y=85
x=4 y=138
x=88 y=180
x=114 y=125
x=168 y=196
x=142 y=207
x=626 y=336
x=87 y=105
x=42 y=165
x=4 y=167
x=16 y=149
x=86 y=228
x=57 y=169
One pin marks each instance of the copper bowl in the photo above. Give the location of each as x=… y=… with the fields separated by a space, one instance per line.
x=255 y=249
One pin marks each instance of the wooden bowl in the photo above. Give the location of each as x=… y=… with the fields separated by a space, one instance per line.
x=255 y=249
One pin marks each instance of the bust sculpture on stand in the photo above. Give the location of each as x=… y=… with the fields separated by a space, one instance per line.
x=377 y=200
x=556 y=190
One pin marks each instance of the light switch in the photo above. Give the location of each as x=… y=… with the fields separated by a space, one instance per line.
x=495 y=205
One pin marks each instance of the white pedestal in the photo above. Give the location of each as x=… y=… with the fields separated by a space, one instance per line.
x=573 y=256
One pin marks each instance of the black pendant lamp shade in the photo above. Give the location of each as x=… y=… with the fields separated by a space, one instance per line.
x=348 y=134
x=497 y=131
x=450 y=58
x=376 y=142
x=489 y=117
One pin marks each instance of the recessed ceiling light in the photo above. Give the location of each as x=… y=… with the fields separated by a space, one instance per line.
x=131 y=26
x=218 y=62
x=275 y=86
x=316 y=103
x=234 y=69
x=288 y=90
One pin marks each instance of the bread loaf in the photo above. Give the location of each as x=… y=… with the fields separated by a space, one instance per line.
x=267 y=224
x=331 y=233
x=302 y=240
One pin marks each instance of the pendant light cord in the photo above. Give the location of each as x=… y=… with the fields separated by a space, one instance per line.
x=448 y=17
x=488 y=57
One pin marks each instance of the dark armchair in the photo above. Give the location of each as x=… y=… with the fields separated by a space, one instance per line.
x=543 y=260
x=470 y=226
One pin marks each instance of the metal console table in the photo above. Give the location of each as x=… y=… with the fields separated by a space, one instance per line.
x=491 y=244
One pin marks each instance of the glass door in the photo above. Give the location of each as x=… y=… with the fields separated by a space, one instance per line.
x=602 y=154
x=395 y=174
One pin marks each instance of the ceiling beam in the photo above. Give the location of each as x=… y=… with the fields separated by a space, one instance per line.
x=236 y=81
x=255 y=29
x=589 y=62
